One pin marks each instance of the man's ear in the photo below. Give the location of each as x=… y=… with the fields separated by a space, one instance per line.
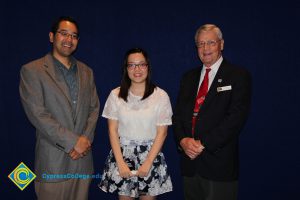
x=51 y=37
x=222 y=45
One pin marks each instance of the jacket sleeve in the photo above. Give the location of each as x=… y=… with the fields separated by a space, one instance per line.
x=31 y=93
x=178 y=118
x=94 y=107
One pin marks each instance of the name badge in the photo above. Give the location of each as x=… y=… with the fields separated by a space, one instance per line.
x=224 y=88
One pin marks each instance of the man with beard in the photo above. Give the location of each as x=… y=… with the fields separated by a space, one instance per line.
x=59 y=97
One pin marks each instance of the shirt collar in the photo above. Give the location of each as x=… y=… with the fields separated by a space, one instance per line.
x=215 y=66
x=61 y=66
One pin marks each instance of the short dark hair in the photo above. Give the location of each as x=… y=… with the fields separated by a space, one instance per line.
x=126 y=82
x=55 y=24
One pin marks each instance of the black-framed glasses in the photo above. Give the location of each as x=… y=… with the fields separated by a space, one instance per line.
x=132 y=66
x=65 y=34
x=209 y=43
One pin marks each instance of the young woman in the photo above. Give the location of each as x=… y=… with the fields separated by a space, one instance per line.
x=138 y=116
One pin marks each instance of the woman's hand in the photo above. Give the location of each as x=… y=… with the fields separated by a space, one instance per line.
x=124 y=170
x=143 y=171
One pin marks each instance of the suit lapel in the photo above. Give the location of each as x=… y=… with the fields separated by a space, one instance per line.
x=57 y=77
x=195 y=84
x=193 y=90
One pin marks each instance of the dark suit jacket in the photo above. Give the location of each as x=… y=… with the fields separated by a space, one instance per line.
x=221 y=118
x=47 y=103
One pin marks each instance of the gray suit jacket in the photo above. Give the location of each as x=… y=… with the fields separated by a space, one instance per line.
x=47 y=104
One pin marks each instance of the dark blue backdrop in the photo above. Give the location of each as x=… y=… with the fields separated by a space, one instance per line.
x=261 y=37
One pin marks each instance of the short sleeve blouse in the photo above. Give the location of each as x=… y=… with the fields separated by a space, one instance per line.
x=138 y=119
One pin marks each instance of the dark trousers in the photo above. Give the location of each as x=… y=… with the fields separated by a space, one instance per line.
x=198 y=188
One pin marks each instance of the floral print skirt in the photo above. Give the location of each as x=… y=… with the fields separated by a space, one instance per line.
x=157 y=182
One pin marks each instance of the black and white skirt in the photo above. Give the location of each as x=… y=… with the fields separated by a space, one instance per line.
x=134 y=153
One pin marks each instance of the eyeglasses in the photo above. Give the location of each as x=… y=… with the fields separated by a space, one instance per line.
x=209 y=43
x=65 y=34
x=132 y=66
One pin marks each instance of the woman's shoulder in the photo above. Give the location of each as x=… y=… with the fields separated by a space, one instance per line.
x=115 y=91
x=160 y=92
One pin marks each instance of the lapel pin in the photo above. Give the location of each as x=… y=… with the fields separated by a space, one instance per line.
x=219 y=80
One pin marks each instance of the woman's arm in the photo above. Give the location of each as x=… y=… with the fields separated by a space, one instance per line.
x=124 y=170
x=161 y=135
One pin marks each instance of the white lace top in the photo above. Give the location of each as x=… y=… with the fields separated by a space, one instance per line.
x=137 y=120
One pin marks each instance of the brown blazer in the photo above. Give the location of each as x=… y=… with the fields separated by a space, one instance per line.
x=47 y=103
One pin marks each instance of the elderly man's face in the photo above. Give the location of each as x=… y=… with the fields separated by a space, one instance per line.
x=209 y=47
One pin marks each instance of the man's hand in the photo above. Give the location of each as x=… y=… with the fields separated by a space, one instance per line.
x=191 y=147
x=75 y=155
x=82 y=145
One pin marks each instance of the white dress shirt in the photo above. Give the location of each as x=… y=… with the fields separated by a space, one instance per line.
x=214 y=69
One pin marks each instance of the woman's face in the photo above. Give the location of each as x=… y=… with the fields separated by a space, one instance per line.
x=137 y=68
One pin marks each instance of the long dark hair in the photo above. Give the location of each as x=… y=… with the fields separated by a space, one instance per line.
x=126 y=82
